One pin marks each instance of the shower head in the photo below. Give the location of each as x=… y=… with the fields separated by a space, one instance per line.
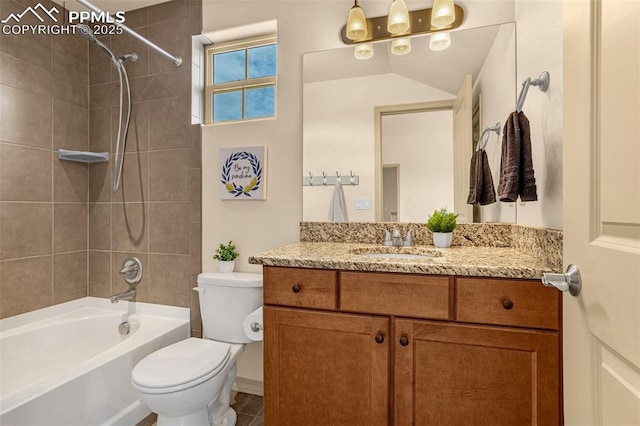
x=86 y=33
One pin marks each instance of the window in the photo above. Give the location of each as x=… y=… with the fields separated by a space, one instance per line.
x=241 y=80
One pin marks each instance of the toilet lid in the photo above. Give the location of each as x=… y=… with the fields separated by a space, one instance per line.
x=183 y=362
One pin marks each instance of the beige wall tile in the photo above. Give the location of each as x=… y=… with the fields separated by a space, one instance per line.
x=99 y=65
x=174 y=36
x=100 y=129
x=69 y=57
x=99 y=273
x=22 y=75
x=69 y=227
x=170 y=282
x=100 y=226
x=134 y=181
x=70 y=126
x=26 y=118
x=70 y=181
x=196 y=248
x=138 y=135
x=195 y=143
x=195 y=194
x=169 y=228
x=15 y=297
x=25 y=173
x=169 y=175
x=68 y=90
x=100 y=183
x=129 y=227
x=196 y=319
x=170 y=120
x=125 y=43
x=32 y=48
x=26 y=229
x=69 y=276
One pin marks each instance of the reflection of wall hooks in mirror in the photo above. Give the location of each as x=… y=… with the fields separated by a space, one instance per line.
x=312 y=180
x=541 y=82
x=484 y=138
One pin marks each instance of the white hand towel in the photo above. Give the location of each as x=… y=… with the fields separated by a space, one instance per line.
x=338 y=208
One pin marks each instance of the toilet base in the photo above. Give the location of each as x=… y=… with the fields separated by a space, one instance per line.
x=199 y=418
x=229 y=418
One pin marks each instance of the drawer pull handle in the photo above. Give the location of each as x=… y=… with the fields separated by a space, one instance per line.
x=404 y=341
x=507 y=304
x=379 y=338
x=296 y=288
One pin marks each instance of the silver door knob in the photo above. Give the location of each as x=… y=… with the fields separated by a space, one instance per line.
x=569 y=281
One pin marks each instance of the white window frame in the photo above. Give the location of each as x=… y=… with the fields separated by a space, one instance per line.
x=248 y=83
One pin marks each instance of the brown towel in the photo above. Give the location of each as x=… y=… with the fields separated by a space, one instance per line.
x=516 y=166
x=481 y=189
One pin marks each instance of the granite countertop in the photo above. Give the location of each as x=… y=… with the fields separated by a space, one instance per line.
x=504 y=262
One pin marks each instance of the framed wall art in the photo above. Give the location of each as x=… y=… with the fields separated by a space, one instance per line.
x=243 y=173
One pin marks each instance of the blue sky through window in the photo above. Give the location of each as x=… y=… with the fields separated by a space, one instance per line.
x=236 y=66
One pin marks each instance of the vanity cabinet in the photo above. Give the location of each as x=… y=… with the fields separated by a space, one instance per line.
x=409 y=349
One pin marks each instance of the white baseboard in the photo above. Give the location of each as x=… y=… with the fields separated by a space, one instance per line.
x=250 y=386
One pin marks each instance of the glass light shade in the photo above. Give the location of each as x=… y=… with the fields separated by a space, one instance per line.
x=443 y=13
x=356 y=23
x=398 y=19
x=400 y=46
x=439 y=41
x=364 y=51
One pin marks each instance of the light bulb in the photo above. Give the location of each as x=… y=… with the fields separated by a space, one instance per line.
x=439 y=41
x=398 y=19
x=356 y=23
x=364 y=51
x=443 y=13
x=400 y=46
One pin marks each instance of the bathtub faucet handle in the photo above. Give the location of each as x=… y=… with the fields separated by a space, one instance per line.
x=132 y=270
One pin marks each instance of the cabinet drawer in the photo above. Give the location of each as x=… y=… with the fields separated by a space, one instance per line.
x=411 y=295
x=524 y=303
x=311 y=288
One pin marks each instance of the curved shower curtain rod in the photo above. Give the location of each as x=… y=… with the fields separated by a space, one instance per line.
x=177 y=60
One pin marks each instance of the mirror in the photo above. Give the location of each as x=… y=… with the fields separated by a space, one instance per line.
x=395 y=117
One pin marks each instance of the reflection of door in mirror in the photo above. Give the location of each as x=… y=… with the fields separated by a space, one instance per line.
x=419 y=141
x=390 y=190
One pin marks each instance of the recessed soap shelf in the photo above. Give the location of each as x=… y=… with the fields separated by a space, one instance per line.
x=83 y=156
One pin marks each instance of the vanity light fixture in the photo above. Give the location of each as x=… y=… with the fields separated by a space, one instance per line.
x=364 y=51
x=401 y=46
x=398 y=19
x=360 y=29
x=356 y=23
x=443 y=13
x=439 y=41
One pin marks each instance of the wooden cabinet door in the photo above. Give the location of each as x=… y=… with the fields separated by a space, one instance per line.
x=324 y=368
x=453 y=374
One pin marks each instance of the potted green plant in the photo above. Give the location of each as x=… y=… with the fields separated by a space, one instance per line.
x=442 y=223
x=226 y=256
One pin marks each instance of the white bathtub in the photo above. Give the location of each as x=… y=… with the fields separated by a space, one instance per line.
x=69 y=365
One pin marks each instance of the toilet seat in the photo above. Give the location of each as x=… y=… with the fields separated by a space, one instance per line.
x=181 y=365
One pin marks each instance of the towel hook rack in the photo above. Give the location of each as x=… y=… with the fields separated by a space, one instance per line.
x=542 y=82
x=485 y=133
x=326 y=180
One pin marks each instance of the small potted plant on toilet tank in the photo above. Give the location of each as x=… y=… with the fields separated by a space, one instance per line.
x=226 y=256
x=442 y=223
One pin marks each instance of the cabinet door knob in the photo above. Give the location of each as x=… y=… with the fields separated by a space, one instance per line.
x=507 y=304
x=404 y=341
x=296 y=288
x=379 y=338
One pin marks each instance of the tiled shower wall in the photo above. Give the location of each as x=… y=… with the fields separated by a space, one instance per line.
x=155 y=215
x=43 y=201
x=63 y=233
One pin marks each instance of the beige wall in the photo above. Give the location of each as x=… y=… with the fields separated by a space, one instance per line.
x=303 y=26
x=43 y=201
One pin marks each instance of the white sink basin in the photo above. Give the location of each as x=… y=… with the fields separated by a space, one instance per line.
x=397 y=256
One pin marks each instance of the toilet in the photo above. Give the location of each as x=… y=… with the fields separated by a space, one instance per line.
x=189 y=382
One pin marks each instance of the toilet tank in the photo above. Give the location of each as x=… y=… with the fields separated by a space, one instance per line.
x=226 y=298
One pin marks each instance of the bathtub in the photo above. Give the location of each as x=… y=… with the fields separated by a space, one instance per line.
x=69 y=365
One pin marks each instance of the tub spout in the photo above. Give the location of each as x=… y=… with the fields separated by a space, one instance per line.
x=125 y=295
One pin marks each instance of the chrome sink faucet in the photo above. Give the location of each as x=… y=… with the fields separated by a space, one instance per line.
x=132 y=274
x=394 y=239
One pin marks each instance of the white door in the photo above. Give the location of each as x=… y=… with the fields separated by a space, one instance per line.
x=602 y=210
x=462 y=150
